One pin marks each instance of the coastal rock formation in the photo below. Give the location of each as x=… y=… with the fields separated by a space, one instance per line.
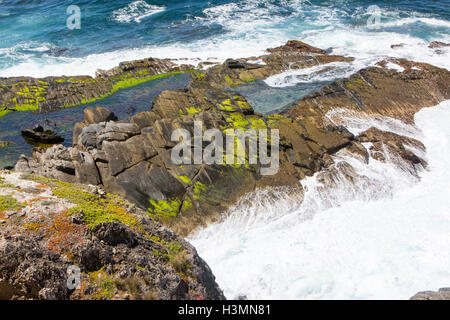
x=133 y=158
x=441 y=294
x=54 y=93
x=379 y=91
x=38 y=135
x=49 y=227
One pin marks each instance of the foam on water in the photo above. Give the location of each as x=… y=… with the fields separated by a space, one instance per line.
x=135 y=12
x=322 y=73
x=248 y=27
x=385 y=235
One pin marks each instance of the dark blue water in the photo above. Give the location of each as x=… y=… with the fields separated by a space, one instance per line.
x=124 y=103
x=35 y=40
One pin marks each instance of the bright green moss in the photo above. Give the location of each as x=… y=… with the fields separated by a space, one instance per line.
x=187 y=204
x=244 y=105
x=198 y=75
x=227 y=105
x=199 y=189
x=35 y=94
x=130 y=80
x=165 y=208
x=4 y=112
x=96 y=209
x=185 y=179
x=256 y=122
x=237 y=120
x=9 y=203
x=189 y=110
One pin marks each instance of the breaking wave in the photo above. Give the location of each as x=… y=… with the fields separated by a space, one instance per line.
x=361 y=231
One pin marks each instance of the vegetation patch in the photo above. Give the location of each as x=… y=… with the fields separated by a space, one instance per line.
x=176 y=256
x=5 y=184
x=9 y=203
x=62 y=233
x=95 y=209
x=164 y=208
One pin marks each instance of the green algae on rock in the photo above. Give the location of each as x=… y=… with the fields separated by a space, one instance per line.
x=54 y=93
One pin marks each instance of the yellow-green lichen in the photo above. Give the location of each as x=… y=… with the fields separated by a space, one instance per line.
x=9 y=203
x=164 y=208
x=95 y=209
x=185 y=179
x=237 y=120
x=199 y=189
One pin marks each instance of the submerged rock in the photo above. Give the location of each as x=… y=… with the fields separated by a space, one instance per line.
x=38 y=136
x=5 y=144
x=438 y=44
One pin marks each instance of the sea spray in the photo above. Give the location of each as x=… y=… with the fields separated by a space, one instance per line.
x=381 y=234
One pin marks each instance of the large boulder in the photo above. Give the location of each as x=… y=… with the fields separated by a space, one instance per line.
x=92 y=116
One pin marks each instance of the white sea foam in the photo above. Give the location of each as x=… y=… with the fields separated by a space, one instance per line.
x=382 y=236
x=135 y=12
x=428 y=21
x=394 y=66
x=251 y=27
x=327 y=72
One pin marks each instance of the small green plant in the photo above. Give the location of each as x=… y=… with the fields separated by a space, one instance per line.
x=5 y=184
x=96 y=209
x=9 y=203
x=176 y=256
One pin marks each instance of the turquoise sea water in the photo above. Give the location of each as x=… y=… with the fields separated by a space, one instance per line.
x=35 y=40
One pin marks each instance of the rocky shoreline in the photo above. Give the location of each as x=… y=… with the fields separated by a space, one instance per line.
x=132 y=158
x=48 y=226
x=55 y=93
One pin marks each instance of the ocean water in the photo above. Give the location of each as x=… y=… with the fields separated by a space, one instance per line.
x=384 y=236
x=35 y=40
x=124 y=103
